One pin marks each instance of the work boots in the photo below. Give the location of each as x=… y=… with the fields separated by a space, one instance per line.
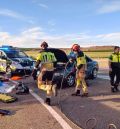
x=112 y=89
x=116 y=88
x=48 y=101
x=77 y=93
x=84 y=95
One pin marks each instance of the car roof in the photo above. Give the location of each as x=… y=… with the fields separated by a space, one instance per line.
x=8 y=49
x=59 y=54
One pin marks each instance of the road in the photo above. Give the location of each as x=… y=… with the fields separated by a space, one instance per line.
x=30 y=112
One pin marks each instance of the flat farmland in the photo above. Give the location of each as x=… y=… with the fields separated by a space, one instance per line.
x=90 y=54
x=98 y=54
x=32 y=54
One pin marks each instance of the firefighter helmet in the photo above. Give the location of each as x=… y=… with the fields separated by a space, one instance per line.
x=44 y=44
x=75 y=47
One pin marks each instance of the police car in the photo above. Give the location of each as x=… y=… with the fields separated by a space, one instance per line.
x=14 y=61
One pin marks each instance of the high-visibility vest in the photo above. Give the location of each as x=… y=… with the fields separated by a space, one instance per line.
x=81 y=59
x=47 y=59
x=115 y=58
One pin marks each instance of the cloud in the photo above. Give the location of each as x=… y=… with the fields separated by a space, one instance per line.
x=13 y=14
x=32 y=37
x=4 y=35
x=109 y=7
x=40 y=4
x=10 y=13
x=112 y=38
x=43 y=5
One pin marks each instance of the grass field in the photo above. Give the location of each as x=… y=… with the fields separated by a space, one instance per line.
x=98 y=54
x=90 y=54
x=32 y=53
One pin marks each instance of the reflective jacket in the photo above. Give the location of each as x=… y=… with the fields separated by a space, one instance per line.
x=115 y=60
x=81 y=60
x=46 y=59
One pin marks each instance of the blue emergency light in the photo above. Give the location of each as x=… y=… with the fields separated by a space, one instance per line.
x=6 y=47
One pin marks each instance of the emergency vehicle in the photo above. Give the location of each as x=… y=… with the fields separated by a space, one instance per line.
x=14 y=61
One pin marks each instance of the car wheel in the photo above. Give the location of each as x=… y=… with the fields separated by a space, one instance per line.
x=70 y=80
x=94 y=73
x=8 y=72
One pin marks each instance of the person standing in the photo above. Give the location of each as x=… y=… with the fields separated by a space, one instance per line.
x=114 y=69
x=45 y=60
x=80 y=73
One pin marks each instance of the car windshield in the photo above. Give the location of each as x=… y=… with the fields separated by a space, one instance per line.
x=16 y=54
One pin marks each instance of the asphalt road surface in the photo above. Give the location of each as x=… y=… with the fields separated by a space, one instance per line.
x=30 y=112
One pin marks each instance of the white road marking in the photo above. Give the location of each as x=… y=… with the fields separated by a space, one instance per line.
x=104 y=77
x=60 y=120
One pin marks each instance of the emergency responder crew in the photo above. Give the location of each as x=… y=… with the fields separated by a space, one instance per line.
x=80 y=73
x=114 y=69
x=46 y=61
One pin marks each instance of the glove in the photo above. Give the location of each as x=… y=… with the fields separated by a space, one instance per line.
x=34 y=74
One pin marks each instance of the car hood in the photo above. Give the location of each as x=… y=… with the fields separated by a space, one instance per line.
x=26 y=61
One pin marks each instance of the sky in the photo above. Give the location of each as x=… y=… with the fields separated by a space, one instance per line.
x=61 y=23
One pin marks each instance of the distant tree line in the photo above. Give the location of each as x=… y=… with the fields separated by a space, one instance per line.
x=85 y=49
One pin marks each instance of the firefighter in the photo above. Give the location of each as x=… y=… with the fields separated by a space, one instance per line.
x=46 y=61
x=114 y=69
x=80 y=73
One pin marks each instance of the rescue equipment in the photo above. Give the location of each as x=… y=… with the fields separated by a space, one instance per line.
x=7 y=98
x=4 y=112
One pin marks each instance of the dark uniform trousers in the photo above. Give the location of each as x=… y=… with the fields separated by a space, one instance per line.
x=114 y=76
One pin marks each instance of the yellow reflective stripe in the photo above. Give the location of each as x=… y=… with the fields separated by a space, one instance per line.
x=46 y=57
x=53 y=57
x=81 y=60
x=39 y=57
x=2 y=65
x=2 y=69
x=115 y=58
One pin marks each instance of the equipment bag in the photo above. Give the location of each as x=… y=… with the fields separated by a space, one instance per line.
x=22 y=89
x=7 y=98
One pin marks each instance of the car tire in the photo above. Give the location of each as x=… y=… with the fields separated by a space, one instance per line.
x=94 y=73
x=70 y=80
